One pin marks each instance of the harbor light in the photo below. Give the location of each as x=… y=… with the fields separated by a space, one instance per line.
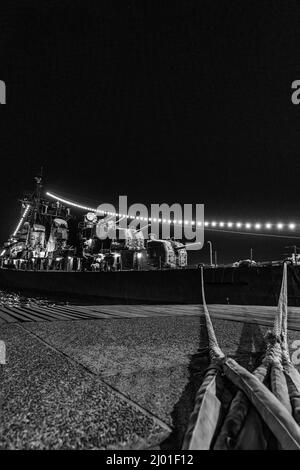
x=280 y=226
x=257 y=226
x=268 y=226
x=292 y=226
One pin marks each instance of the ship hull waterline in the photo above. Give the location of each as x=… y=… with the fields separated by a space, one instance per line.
x=236 y=286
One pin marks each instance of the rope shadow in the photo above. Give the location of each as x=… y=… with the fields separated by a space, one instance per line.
x=184 y=407
x=251 y=335
x=251 y=338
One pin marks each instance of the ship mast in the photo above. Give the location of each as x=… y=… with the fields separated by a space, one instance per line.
x=37 y=195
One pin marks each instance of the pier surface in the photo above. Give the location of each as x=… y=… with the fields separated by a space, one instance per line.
x=115 y=376
x=240 y=313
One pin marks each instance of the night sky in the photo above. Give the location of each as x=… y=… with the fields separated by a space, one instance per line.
x=163 y=101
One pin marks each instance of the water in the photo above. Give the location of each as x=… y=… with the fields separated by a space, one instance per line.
x=11 y=298
x=15 y=299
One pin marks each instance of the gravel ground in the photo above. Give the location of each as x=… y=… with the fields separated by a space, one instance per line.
x=48 y=402
x=153 y=360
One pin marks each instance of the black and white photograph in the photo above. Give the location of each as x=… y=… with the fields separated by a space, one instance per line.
x=150 y=228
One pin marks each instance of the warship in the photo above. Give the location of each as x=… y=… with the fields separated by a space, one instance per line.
x=52 y=251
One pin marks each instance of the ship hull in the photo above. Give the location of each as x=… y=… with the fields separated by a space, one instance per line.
x=236 y=286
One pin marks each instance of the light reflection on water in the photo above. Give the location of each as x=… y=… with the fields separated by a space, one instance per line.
x=25 y=299
x=14 y=299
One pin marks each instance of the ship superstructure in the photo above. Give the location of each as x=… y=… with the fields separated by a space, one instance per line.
x=55 y=252
x=49 y=237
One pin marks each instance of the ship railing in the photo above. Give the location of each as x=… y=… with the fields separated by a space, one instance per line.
x=65 y=264
x=43 y=264
x=71 y=264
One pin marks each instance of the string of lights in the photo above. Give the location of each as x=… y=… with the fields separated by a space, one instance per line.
x=21 y=220
x=237 y=226
x=256 y=234
x=253 y=226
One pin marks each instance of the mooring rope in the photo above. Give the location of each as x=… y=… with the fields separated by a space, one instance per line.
x=236 y=418
x=274 y=408
x=292 y=375
x=280 y=407
x=283 y=305
x=277 y=337
x=207 y=407
x=214 y=348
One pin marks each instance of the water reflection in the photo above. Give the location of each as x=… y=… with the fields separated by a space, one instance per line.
x=14 y=299
x=10 y=298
